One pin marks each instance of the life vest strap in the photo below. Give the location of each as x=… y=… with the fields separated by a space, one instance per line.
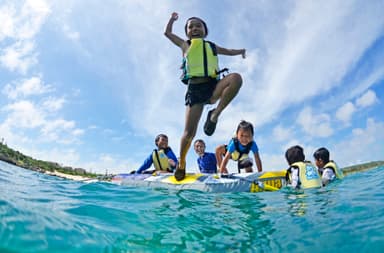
x=158 y=159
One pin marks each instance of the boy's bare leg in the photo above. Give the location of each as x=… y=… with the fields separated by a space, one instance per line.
x=192 y=117
x=226 y=90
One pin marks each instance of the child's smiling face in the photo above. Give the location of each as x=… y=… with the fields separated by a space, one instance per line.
x=244 y=136
x=199 y=148
x=162 y=143
x=195 y=29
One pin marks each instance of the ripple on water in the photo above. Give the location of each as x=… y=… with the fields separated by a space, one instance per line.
x=41 y=213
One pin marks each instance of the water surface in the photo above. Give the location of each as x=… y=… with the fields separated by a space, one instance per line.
x=41 y=213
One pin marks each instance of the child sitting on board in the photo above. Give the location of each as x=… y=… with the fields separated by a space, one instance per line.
x=206 y=161
x=162 y=158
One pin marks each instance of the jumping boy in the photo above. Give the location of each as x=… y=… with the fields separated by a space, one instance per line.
x=200 y=65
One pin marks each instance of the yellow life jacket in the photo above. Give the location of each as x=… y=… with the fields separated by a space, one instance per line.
x=201 y=60
x=338 y=172
x=160 y=160
x=308 y=175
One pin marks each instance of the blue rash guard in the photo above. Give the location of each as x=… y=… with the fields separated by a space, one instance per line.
x=232 y=147
x=207 y=163
x=149 y=161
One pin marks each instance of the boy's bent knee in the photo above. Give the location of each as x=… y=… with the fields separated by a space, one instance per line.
x=220 y=149
x=236 y=78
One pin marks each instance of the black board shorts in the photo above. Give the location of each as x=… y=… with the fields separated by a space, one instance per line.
x=200 y=93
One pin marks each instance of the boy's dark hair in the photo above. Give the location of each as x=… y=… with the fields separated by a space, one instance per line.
x=295 y=154
x=198 y=140
x=323 y=154
x=202 y=21
x=158 y=138
x=245 y=126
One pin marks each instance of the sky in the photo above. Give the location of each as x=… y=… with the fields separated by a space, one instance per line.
x=90 y=84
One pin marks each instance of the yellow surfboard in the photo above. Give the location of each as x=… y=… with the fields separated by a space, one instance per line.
x=189 y=179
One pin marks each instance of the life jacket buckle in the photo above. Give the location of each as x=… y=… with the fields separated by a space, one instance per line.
x=222 y=72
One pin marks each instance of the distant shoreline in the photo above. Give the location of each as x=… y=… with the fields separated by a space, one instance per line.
x=54 y=173
x=70 y=177
x=15 y=157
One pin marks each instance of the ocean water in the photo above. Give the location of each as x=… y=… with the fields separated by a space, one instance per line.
x=41 y=213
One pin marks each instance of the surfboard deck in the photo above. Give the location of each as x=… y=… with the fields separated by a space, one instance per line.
x=245 y=182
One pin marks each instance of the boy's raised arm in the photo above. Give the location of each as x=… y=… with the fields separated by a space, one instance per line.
x=225 y=51
x=168 y=31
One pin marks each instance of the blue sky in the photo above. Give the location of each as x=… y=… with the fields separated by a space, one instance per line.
x=90 y=84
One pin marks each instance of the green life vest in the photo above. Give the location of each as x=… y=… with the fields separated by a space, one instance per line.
x=160 y=160
x=331 y=164
x=308 y=175
x=200 y=60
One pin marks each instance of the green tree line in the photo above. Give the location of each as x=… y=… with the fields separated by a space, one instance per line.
x=14 y=157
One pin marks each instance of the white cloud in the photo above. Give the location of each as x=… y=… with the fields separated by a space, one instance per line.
x=73 y=35
x=274 y=162
x=63 y=156
x=309 y=56
x=315 y=124
x=77 y=132
x=345 y=112
x=367 y=99
x=19 y=57
x=6 y=21
x=21 y=24
x=44 y=122
x=23 y=114
x=363 y=145
x=52 y=104
x=282 y=134
x=26 y=87
x=30 y=18
x=110 y=163
x=58 y=124
x=61 y=131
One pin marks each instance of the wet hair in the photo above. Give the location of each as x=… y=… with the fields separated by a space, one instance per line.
x=158 y=138
x=245 y=126
x=202 y=21
x=322 y=154
x=295 y=154
x=198 y=140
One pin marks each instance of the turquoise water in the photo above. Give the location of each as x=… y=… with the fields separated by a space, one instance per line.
x=41 y=213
